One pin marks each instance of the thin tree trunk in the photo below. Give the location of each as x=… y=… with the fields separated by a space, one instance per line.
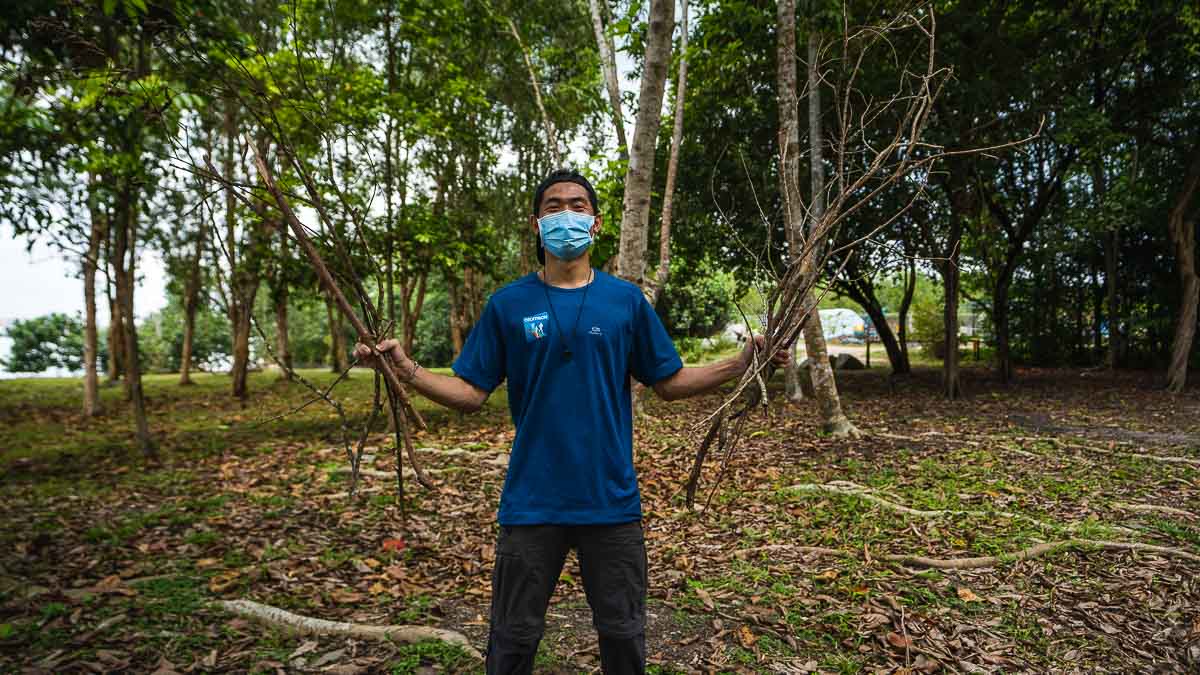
x=91 y=380
x=413 y=314
x=789 y=161
x=337 y=344
x=664 y=236
x=639 y=177
x=910 y=287
x=833 y=420
x=126 y=262
x=1000 y=322
x=951 y=386
x=191 y=302
x=547 y=125
x=1182 y=229
x=608 y=66
x=279 y=297
x=116 y=340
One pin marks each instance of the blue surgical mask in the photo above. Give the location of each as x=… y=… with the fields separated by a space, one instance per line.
x=566 y=234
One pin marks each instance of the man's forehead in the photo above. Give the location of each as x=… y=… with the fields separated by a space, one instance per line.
x=565 y=191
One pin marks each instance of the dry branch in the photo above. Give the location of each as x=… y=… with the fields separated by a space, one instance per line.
x=1035 y=551
x=278 y=618
x=868 y=496
x=396 y=393
x=1154 y=508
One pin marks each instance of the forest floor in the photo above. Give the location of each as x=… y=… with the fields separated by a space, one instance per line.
x=107 y=564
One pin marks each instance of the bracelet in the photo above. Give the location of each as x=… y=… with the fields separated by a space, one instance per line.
x=412 y=372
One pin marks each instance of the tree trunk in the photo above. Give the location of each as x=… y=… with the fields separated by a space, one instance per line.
x=951 y=385
x=191 y=302
x=1004 y=365
x=664 y=232
x=91 y=380
x=116 y=338
x=639 y=177
x=1181 y=225
x=412 y=313
x=283 y=346
x=806 y=250
x=829 y=402
x=608 y=66
x=910 y=287
x=189 y=331
x=896 y=356
x=789 y=160
x=338 y=362
x=125 y=249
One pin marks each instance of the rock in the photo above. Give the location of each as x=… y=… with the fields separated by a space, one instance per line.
x=846 y=362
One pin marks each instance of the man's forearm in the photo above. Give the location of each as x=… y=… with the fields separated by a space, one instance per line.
x=690 y=381
x=452 y=392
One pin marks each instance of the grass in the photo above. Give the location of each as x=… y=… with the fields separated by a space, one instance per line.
x=39 y=422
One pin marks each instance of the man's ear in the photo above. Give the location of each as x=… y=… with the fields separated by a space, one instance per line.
x=533 y=222
x=597 y=225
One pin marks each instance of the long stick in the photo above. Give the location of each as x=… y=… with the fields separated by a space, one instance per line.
x=364 y=336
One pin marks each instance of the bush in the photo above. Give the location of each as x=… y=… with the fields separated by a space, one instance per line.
x=431 y=344
x=45 y=342
x=698 y=300
x=929 y=328
x=160 y=339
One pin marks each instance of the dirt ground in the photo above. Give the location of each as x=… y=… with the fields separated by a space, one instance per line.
x=1047 y=526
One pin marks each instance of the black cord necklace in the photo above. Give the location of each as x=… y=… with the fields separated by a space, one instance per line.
x=546 y=289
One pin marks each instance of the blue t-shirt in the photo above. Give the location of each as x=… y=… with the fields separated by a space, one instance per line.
x=572 y=457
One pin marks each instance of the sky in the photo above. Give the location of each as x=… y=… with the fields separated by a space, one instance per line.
x=42 y=280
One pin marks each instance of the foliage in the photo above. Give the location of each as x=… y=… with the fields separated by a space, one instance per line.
x=160 y=339
x=698 y=300
x=432 y=344
x=44 y=343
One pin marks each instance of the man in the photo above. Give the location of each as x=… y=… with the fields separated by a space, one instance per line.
x=567 y=339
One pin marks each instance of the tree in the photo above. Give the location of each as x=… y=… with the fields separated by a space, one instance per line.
x=45 y=343
x=639 y=177
x=1181 y=225
x=806 y=244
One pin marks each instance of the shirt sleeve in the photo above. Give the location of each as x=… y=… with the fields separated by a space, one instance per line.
x=482 y=360
x=654 y=355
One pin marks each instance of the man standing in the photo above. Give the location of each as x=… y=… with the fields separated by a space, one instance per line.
x=567 y=339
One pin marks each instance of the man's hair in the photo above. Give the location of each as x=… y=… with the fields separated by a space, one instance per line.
x=561 y=176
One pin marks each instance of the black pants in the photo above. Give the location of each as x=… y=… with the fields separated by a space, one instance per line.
x=529 y=559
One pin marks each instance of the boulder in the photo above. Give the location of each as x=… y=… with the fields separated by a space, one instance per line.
x=846 y=362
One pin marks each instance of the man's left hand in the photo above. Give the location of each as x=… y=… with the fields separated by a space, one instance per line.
x=781 y=359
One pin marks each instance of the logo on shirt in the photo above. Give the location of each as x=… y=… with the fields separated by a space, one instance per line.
x=595 y=330
x=535 y=326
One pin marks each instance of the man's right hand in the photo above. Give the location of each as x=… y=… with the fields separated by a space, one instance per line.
x=390 y=348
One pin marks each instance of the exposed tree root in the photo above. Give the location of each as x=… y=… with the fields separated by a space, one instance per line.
x=1035 y=551
x=744 y=553
x=273 y=616
x=386 y=475
x=1155 y=508
x=1169 y=459
x=845 y=488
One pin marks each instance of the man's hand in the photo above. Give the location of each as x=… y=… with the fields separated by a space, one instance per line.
x=781 y=359
x=390 y=348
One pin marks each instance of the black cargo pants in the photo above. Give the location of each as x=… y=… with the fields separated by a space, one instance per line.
x=529 y=560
